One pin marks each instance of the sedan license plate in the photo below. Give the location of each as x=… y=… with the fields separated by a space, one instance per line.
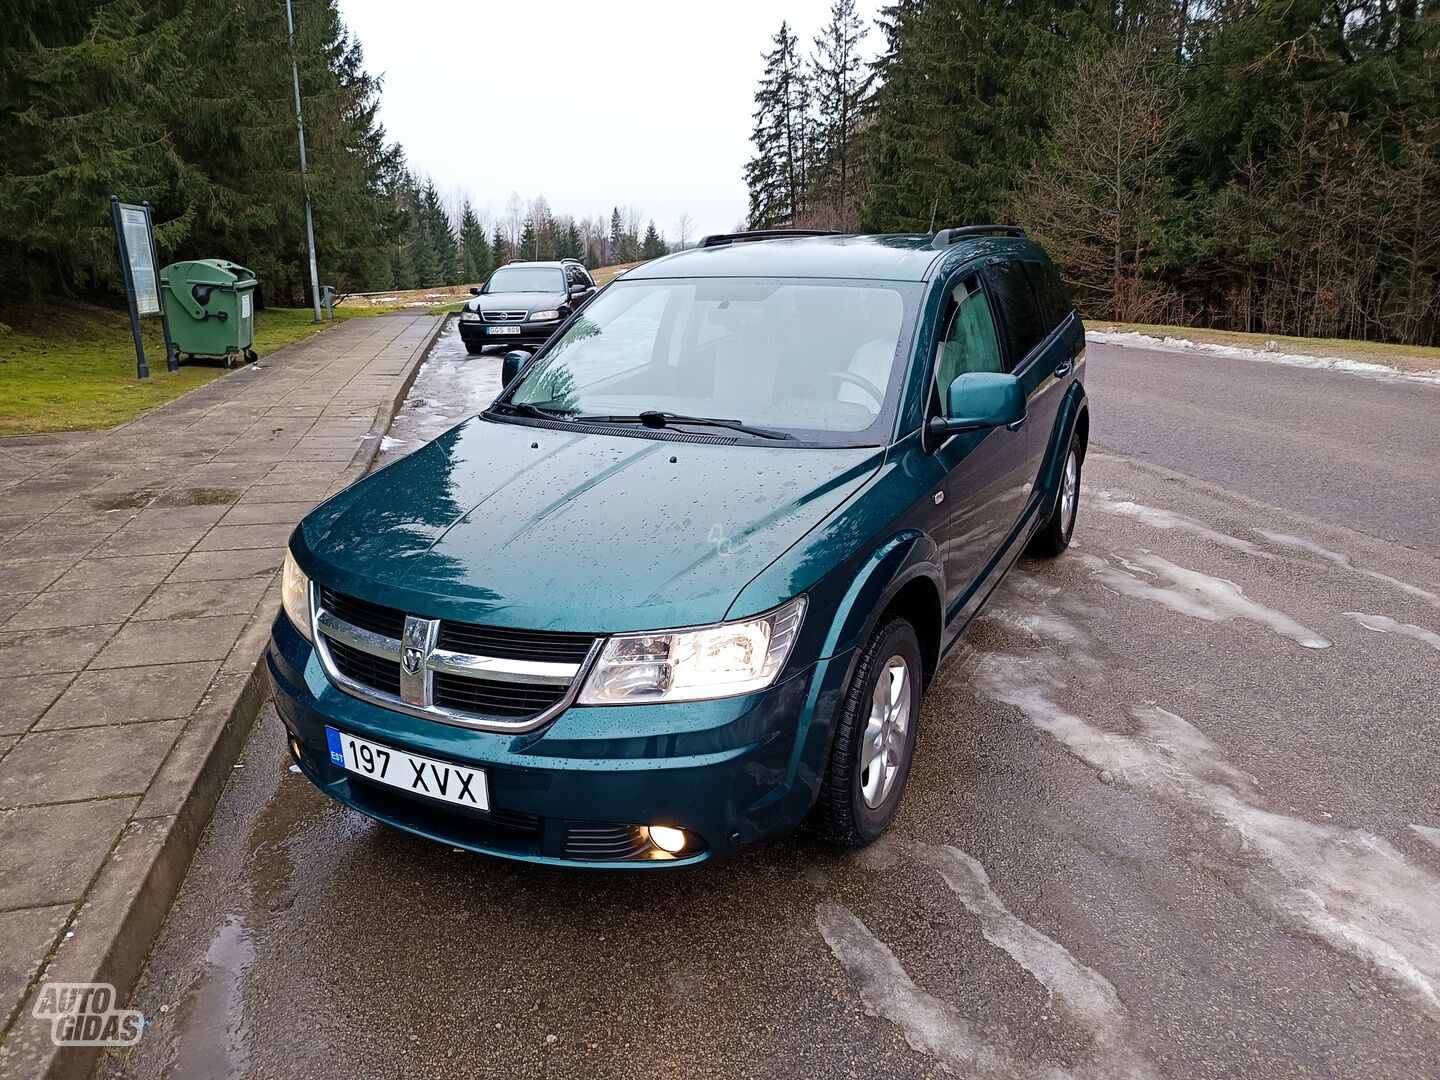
x=408 y=772
x=502 y=329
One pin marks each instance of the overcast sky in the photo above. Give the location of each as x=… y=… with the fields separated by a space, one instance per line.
x=638 y=102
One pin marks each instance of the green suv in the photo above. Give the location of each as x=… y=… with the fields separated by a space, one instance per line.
x=682 y=586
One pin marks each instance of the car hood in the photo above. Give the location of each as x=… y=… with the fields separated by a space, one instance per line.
x=516 y=301
x=528 y=526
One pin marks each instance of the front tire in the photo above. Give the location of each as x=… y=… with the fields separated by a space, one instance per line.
x=1054 y=536
x=474 y=350
x=874 y=739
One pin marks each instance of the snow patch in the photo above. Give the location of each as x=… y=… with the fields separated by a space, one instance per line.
x=1158 y=518
x=1383 y=624
x=1137 y=340
x=931 y=1026
x=1429 y=835
x=1195 y=594
x=1081 y=992
x=1301 y=544
x=1348 y=887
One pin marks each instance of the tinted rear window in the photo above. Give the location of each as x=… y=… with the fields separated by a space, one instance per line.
x=1024 y=324
x=1054 y=300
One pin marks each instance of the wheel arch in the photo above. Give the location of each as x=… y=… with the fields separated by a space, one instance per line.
x=902 y=577
x=1074 y=420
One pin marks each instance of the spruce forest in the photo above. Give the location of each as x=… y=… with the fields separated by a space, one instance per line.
x=190 y=106
x=1260 y=165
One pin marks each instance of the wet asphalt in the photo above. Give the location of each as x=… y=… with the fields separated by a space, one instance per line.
x=1356 y=451
x=1173 y=814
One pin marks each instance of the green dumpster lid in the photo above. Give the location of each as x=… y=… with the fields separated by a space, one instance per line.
x=221 y=272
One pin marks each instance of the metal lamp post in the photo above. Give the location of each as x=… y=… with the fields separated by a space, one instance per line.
x=304 y=177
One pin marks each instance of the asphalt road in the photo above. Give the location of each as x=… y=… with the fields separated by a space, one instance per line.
x=1355 y=450
x=1173 y=814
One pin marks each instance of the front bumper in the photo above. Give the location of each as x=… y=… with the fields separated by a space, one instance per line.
x=531 y=335
x=731 y=772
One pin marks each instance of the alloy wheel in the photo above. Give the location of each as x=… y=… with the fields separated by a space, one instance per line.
x=884 y=743
x=1069 y=492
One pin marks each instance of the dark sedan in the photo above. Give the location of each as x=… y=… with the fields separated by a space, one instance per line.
x=523 y=303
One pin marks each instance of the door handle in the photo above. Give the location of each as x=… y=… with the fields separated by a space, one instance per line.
x=1063 y=370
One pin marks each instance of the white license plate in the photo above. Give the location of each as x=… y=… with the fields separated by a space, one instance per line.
x=502 y=329
x=408 y=772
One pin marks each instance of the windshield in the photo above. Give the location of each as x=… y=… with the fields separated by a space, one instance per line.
x=526 y=279
x=814 y=358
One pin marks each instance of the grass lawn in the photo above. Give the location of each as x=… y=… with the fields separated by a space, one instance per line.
x=606 y=274
x=1403 y=357
x=68 y=365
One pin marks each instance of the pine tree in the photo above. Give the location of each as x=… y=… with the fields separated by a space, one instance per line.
x=653 y=246
x=435 y=227
x=474 y=247
x=568 y=245
x=617 y=234
x=777 y=176
x=961 y=106
x=190 y=107
x=528 y=241
x=499 y=250
x=841 y=82
x=82 y=116
x=547 y=240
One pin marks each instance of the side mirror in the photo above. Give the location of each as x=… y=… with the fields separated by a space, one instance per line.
x=514 y=361
x=474 y=290
x=577 y=291
x=979 y=401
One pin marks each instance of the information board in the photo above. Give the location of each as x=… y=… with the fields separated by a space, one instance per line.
x=135 y=233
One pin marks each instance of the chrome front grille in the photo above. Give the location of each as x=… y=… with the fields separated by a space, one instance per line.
x=504 y=316
x=486 y=677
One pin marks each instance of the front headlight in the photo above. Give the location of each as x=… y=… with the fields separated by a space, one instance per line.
x=548 y=315
x=295 y=596
x=695 y=665
x=469 y=316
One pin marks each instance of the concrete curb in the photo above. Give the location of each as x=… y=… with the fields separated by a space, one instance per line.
x=140 y=878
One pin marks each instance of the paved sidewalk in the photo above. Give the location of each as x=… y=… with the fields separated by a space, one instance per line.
x=138 y=578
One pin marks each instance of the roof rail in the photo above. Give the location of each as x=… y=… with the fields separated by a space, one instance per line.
x=945 y=237
x=721 y=239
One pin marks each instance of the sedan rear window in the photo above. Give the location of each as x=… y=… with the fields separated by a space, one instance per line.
x=815 y=358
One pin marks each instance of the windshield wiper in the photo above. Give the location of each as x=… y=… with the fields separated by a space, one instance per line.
x=655 y=419
x=535 y=412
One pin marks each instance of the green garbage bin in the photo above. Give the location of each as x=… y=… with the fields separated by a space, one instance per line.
x=210 y=304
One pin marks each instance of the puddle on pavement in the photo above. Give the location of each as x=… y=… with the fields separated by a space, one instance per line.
x=125 y=500
x=212 y=1015
x=217 y=496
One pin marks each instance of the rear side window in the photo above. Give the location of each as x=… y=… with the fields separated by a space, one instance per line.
x=1024 y=324
x=1055 y=302
x=967 y=335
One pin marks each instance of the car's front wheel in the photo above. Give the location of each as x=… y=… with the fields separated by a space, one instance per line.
x=874 y=739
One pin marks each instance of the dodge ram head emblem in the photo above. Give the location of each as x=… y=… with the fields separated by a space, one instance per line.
x=411 y=660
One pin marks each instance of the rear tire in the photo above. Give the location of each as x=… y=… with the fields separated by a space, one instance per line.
x=874 y=739
x=1054 y=536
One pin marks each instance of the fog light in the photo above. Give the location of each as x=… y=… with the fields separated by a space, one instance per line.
x=667 y=839
x=295 y=751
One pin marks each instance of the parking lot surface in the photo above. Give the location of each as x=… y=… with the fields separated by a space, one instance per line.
x=1173 y=814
